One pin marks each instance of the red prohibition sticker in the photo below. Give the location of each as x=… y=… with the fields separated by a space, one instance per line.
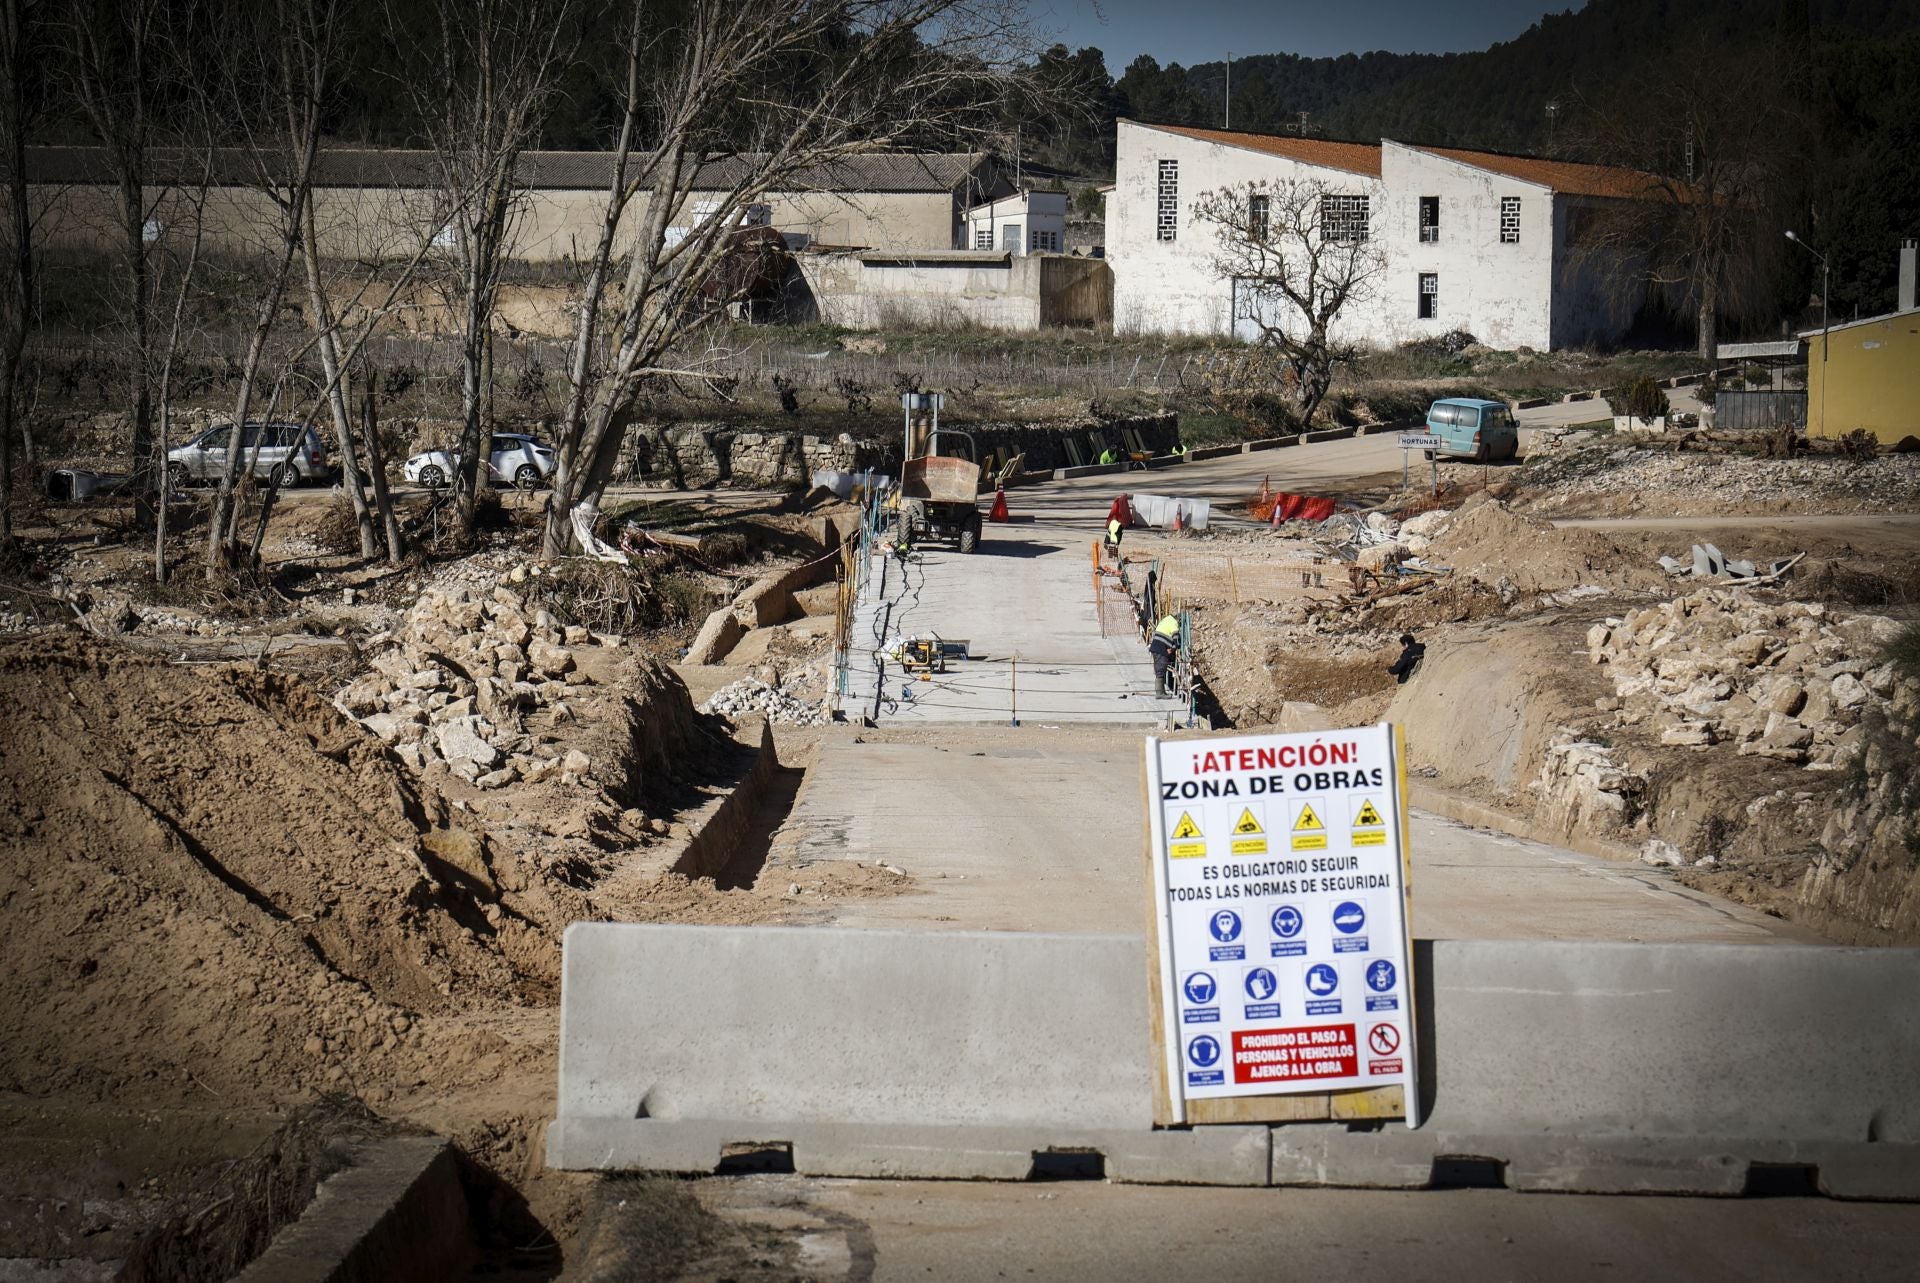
x=1383 y=1039
x=1294 y=1055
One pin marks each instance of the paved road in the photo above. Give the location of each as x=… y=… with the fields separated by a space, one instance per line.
x=1074 y=1230
x=1035 y=830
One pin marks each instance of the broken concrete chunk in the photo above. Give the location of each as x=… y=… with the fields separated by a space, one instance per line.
x=461 y=741
x=495 y=779
x=1788 y=697
x=1687 y=735
x=549 y=659
x=574 y=762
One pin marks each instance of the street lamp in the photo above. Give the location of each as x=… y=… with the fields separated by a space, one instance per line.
x=1824 y=272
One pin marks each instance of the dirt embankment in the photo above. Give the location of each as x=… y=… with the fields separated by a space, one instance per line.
x=220 y=884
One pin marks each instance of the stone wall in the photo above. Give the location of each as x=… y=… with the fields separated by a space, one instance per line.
x=694 y=455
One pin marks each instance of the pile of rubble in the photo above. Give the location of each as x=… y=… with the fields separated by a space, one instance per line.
x=1787 y=680
x=751 y=696
x=1578 y=475
x=462 y=678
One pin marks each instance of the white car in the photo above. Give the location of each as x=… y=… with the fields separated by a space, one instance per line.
x=517 y=459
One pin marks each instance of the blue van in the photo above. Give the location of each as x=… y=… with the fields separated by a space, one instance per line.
x=1473 y=429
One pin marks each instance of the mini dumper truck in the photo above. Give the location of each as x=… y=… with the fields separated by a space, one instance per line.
x=939 y=480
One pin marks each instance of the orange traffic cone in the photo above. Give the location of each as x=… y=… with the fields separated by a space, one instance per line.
x=1266 y=488
x=1179 y=519
x=999 y=512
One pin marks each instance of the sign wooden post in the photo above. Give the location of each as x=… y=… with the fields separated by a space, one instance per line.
x=1279 y=949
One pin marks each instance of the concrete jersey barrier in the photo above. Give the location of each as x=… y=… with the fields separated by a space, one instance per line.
x=1573 y=1066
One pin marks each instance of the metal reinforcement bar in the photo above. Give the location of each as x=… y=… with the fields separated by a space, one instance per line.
x=1562 y=1066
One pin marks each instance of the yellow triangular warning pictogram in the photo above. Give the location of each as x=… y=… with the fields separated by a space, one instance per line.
x=1247 y=823
x=1186 y=828
x=1307 y=820
x=1368 y=816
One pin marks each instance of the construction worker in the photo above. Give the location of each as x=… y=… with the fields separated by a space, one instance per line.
x=1411 y=653
x=1165 y=648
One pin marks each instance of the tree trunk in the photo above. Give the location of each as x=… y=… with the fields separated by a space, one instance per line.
x=473 y=374
x=140 y=451
x=1709 y=318
x=377 y=471
x=323 y=322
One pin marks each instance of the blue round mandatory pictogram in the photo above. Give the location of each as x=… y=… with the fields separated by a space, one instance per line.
x=1349 y=917
x=1381 y=975
x=1261 y=984
x=1203 y=1051
x=1322 y=979
x=1200 y=988
x=1288 y=921
x=1225 y=926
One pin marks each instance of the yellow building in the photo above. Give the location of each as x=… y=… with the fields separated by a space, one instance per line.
x=1865 y=374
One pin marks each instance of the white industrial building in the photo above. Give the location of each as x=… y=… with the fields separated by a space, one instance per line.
x=1470 y=241
x=1025 y=222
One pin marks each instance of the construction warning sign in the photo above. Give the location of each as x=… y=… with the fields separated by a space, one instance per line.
x=1309 y=831
x=1292 y=955
x=1249 y=834
x=1185 y=841
x=1369 y=826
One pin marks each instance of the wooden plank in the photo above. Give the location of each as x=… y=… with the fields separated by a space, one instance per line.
x=1156 y=1014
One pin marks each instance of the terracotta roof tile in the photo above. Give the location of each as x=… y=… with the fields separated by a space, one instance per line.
x=1355 y=158
x=1571 y=177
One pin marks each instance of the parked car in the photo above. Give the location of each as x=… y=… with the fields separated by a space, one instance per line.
x=1473 y=429
x=516 y=459
x=285 y=453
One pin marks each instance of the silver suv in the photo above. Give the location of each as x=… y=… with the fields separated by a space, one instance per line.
x=285 y=453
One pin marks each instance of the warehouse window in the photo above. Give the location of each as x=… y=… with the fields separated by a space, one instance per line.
x=1430 y=218
x=1509 y=220
x=1343 y=219
x=1168 y=216
x=1429 y=295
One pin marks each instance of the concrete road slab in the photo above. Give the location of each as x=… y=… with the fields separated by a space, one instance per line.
x=1028 y=829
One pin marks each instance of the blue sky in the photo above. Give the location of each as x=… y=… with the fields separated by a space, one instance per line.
x=1202 y=32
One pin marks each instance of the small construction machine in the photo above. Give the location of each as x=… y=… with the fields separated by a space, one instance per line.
x=939 y=478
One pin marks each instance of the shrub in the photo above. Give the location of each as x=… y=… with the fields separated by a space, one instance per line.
x=1642 y=399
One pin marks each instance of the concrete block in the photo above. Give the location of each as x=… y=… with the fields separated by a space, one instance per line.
x=1572 y=1066
x=1530 y=403
x=814 y=1025
x=716 y=638
x=1269 y=443
x=1327 y=434
x=1205 y=1156
x=1212 y=452
x=397 y=1212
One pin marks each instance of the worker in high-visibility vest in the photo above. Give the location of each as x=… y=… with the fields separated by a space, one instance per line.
x=1164 y=647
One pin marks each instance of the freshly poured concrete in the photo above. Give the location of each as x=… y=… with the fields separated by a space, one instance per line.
x=1035 y=830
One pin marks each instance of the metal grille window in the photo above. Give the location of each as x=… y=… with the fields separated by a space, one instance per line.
x=1044 y=242
x=1509 y=220
x=983 y=237
x=1259 y=206
x=1167 y=220
x=1343 y=219
x=1429 y=295
x=1429 y=218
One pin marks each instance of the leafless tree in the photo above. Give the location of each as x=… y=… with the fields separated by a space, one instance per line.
x=490 y=80
x=1297 y=252
x=1709 y=141
x=190 y=207
x=268 y=84
x=116 y=51
x=733 y=100
x=19 y=21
